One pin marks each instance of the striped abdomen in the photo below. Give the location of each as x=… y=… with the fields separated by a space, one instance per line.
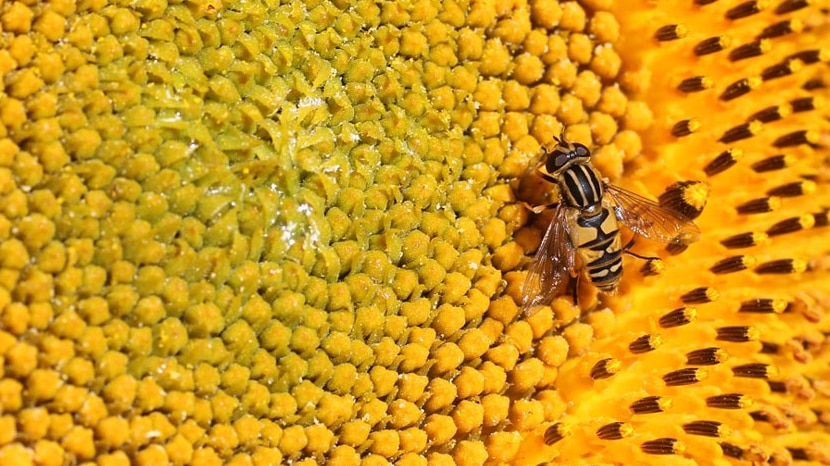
x=598 y=243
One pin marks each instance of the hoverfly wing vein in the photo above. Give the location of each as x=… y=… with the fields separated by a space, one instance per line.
x=552 y=265
x=647 y=218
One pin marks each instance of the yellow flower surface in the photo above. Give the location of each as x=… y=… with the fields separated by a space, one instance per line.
x=261 y=232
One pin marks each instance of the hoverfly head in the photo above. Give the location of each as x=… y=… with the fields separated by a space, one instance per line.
x=564 y=154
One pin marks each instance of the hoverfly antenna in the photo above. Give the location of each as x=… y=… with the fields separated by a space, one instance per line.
x=561 y=138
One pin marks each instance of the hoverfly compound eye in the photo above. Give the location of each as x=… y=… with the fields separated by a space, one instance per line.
x=581 y=151
x=556 y=160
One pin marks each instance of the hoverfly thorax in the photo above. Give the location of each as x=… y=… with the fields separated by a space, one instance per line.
x=569 y=166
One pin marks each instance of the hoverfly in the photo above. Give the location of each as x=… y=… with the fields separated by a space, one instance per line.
x=583 y=235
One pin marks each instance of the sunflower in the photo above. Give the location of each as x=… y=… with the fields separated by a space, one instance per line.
x=261 y=232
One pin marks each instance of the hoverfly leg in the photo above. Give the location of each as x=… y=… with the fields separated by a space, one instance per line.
x=539 y=208
x=627 y=249
x=575 y=295
x=645 y=258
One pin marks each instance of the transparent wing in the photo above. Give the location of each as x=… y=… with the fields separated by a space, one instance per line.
x=646 y=218
x=552 y=265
